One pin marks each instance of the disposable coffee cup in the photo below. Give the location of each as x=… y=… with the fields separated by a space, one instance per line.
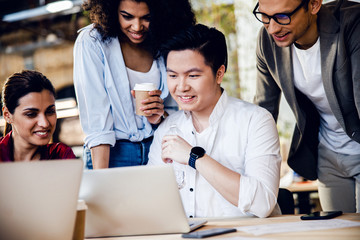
x=79 y=229
x=141 y=93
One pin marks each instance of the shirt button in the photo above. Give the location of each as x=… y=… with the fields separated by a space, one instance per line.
x=192 y=132
x=191 y=189
x=190 y=216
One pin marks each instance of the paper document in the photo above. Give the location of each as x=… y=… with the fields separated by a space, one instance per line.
x=298 y=226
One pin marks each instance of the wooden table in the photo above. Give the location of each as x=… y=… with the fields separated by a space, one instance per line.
x=308 y=186
x=303 y=190
x=328 y=234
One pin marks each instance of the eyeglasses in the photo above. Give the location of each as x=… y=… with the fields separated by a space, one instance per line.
x=280 y=18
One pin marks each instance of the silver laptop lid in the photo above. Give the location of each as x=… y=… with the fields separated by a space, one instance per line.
x=38 y=199
x=132 y=201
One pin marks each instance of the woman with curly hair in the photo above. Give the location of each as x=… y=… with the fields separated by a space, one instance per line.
x=117 y=51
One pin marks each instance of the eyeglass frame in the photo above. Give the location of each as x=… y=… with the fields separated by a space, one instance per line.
x=274 y=16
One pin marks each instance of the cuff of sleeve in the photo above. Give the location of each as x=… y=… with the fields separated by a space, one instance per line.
x=254 y=198
x=246 y=194
x=96 y=139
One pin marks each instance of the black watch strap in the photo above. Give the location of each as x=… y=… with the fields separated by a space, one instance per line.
x=196 y=153
x=192 y=161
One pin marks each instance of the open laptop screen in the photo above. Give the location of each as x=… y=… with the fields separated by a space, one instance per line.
x=132 y=201
x=38 y=199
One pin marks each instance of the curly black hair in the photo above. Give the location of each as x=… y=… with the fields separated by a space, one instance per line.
x=167 y=17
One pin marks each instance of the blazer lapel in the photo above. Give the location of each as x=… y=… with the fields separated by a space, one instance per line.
x=286 y=75
x=329 y=37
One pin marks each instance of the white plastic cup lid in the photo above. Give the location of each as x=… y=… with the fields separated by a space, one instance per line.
x=144 y=87
x=81 y=205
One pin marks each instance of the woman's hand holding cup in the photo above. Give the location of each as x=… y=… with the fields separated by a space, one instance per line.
x=148 y=102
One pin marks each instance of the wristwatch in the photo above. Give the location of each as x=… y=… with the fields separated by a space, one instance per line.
x=196 y=152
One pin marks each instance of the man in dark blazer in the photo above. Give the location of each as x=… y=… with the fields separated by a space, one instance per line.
x=310 y=52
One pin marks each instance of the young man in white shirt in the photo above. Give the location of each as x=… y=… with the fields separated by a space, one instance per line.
x=228 y=148
x=310 y=52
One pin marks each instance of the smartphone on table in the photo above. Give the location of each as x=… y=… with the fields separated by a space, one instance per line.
x=208 y=232
x=321 y=215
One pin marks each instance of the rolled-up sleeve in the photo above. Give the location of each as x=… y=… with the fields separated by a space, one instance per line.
x=259 y=183
x=89 y=81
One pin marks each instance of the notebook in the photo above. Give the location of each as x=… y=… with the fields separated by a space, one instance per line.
x=38 y=199
x=137 y=200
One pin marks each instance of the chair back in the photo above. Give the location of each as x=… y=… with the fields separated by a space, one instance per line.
x=286 y=201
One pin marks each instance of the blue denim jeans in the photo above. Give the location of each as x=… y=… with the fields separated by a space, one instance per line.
x=124 y=153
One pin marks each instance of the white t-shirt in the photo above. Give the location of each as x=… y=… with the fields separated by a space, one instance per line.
x=242 y=137
x=153 y=76
x=308 y=80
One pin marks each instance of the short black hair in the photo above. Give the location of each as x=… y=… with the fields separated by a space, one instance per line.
x=209 y=42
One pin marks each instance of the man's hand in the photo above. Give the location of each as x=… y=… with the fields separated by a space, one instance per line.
x=176 y=149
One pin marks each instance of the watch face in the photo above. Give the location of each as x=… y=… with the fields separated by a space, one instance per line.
x=198 y=151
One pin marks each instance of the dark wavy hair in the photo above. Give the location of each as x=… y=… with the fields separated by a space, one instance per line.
x=167 y=17
x=20 y=84
x=209 y=42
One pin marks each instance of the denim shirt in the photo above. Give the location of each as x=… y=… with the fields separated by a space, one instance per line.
x=103 y=91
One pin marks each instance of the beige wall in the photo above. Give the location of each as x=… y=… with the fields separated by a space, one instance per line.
x=54 y=62
x=10 y=64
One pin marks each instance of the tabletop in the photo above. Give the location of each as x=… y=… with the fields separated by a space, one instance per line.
x=327 y=234
x=307 y=186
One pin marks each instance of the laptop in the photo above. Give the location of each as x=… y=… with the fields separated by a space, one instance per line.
x=136 y=200
x=38 y=199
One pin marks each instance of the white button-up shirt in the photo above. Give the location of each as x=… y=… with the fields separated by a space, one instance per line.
x=242 y=137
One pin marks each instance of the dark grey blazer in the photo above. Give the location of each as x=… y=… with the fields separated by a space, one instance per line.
x=339 y=29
